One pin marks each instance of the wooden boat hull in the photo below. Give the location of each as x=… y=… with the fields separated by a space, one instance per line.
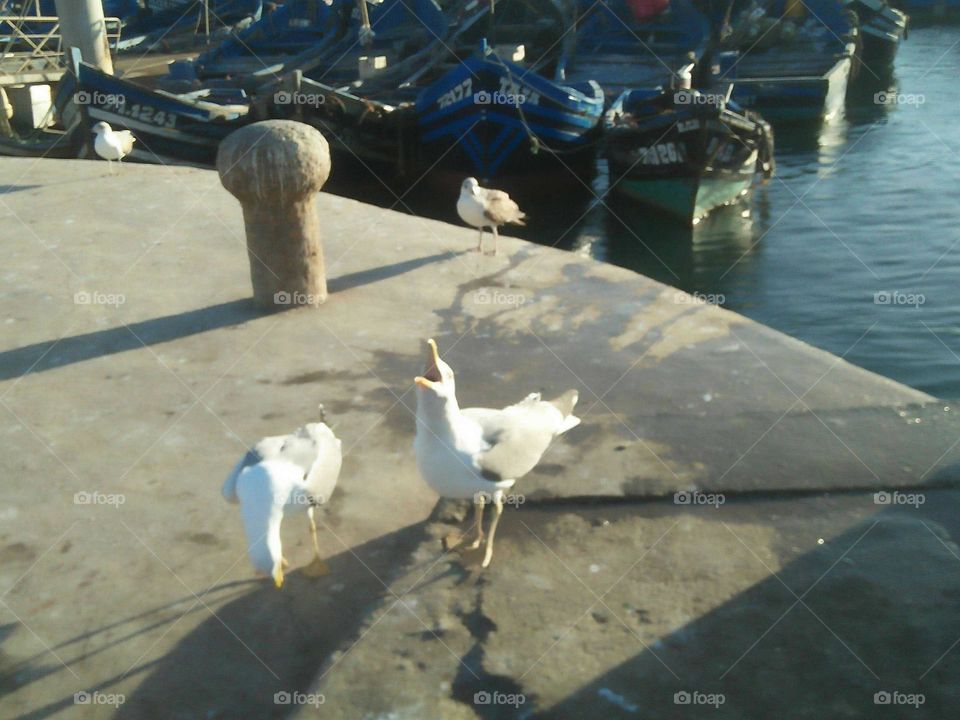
x=686 y=160
x=488 y=116
x=168 y=129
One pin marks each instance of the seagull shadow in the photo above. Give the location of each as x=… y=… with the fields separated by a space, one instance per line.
x=256 y=642
x=52 y=354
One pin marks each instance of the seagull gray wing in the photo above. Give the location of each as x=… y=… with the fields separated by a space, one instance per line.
x=499 y=209
x=517 y=436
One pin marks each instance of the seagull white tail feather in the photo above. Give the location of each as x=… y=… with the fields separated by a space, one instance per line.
x=262 y=490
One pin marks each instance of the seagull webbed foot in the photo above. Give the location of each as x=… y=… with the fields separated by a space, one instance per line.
x=317 y=568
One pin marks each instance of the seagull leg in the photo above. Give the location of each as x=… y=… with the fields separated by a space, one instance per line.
x=480 y=241
x=317 y=567
x=498 y=504
x=495 y=238
x=478 y=505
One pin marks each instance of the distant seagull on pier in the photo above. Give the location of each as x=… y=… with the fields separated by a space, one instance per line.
x=480 y=453
x=285 y=474
x=483 y=207
x=112 y=144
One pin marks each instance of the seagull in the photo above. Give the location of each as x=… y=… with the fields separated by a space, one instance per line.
x=479 y=453
x=483 y=207
x=283 y=475
x=112 y=144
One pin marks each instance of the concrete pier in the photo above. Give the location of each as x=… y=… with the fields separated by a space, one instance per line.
x=135 y=370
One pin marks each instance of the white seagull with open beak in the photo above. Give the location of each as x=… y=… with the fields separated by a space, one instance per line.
x=483 y=207
x=285 y=474
x=479 y=453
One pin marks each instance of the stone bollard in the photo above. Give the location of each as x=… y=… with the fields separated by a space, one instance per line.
x=275 y=168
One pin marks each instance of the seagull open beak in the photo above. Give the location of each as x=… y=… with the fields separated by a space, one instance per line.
x=431 y=373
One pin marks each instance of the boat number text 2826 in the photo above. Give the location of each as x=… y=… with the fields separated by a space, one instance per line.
x=146 y=113
x=666 y=153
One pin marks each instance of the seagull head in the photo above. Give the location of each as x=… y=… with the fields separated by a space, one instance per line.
x=101 y=127
x=437 y=385
x=469 y=186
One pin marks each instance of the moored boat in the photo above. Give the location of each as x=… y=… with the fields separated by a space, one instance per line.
x=882 y=28
x=789 y=60
x=684 y=152
x=169 y=128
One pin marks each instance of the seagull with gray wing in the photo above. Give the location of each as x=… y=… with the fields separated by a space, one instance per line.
x=484 y=207
x=283 y=475
x=479 y=453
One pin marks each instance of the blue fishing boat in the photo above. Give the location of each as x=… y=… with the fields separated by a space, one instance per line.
x=634 y=44
x=683 y=152
x=447 y=101
x=489 y=117
x=182 y=129
x=789 y=60
x=882 y=28
x=295 y=27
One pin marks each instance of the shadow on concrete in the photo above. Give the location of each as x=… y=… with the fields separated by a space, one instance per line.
x=877 y=614
x=259 y=642
x=8 y=189
x=384 y=272
x=66 y=351
x=52 y=354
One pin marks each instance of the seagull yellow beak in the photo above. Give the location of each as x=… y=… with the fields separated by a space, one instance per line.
x=431 y=374
x=278 y=577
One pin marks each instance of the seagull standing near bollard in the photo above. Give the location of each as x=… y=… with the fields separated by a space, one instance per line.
x=281 y=475
x=484 y=207
x=112 y=144
x=479 y=453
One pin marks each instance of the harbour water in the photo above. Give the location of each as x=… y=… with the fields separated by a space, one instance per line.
x=854 y=246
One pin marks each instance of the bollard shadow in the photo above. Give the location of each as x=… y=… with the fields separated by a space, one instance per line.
x=52 y=354
x=876 y=615
x=8 y=189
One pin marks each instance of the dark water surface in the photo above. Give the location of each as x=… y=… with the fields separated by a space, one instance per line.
x=863 y=210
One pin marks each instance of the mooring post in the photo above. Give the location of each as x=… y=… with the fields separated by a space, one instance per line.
x=275 y=168
x=82 y=27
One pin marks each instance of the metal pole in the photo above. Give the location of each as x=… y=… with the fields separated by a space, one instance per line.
x=206 y=17
x=82 y=27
